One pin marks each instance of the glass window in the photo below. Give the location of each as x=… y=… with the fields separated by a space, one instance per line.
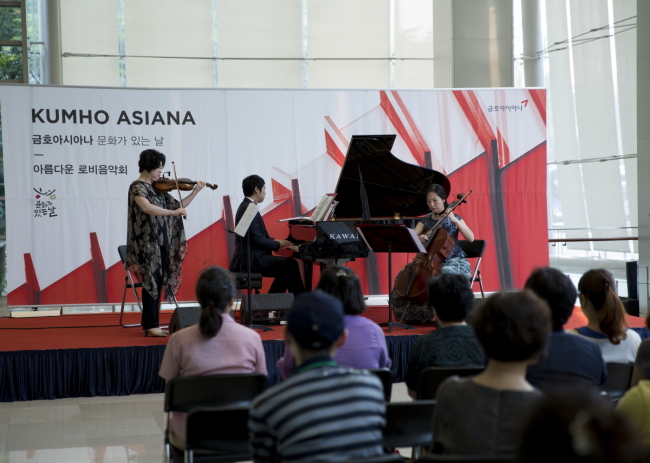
x=10 y=24
x=11 y=63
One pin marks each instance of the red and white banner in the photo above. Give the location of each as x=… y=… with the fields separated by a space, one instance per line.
x=71 y=153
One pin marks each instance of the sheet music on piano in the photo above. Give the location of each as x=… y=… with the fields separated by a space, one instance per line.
x=323 y=211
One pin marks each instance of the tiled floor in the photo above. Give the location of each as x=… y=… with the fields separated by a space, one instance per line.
x=92 y=430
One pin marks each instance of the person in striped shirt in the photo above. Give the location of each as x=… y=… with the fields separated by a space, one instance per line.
x=323 y=412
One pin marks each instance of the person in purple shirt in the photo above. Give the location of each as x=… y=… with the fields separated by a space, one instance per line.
x=365 y=347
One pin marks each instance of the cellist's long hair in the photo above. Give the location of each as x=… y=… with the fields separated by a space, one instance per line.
x=440 y=191
x=215 y=289
x=598 y=287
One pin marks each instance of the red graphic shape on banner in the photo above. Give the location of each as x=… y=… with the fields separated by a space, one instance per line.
x=333 y=150
x=539 y=99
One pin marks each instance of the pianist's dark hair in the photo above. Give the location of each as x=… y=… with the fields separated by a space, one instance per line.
x=250 y=183
x=150 y=160
x=214 y=290
x=440 y=191
x=342 y=283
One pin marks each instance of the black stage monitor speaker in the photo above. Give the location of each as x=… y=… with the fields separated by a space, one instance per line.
x=184 y=317
x=265 y=303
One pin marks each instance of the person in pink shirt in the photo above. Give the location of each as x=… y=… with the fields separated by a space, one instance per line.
x=217 y=345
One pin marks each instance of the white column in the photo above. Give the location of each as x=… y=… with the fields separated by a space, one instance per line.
x=643 y=148
x=472 y=42
x=53 y=67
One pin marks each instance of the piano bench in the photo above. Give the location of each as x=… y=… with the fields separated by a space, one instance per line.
x=241 y=281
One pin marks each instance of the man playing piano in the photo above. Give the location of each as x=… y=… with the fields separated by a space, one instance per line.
x=284 y=269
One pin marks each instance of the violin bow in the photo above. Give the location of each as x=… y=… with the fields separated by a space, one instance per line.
x=178 y=188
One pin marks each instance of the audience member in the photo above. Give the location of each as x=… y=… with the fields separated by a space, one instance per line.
x=454 y=344
x=568 y=358
x=642 y=358
x=636 y=402
x=324 y=412
x=578 y=425
x=483 y=414
x=366 y=344
x=606 y=317
x=217 y=345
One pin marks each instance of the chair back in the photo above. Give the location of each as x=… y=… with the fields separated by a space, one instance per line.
x=432 y=377
x=184 y=393
x=386 y=377
x=473 y=249
x=500 y=458
x=122 y=252
x=619 y=377
x=386 y=458
x=409 y=424
x=219 y=429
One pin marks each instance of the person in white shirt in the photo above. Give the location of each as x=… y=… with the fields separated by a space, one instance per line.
x=606 y=318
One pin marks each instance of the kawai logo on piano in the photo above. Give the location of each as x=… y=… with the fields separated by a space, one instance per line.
x=343 y=237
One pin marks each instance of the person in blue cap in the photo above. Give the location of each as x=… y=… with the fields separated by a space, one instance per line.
x=323 y=412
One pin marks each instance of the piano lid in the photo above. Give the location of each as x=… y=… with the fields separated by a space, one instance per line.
x=393 y=186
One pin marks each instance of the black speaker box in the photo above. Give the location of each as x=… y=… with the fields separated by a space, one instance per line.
x=265 y=303
x=184 y=317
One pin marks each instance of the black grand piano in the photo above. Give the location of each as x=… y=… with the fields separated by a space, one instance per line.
x=373 y=187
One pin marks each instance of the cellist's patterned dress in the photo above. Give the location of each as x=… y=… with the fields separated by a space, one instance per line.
x=147 y=233
x=455 y=263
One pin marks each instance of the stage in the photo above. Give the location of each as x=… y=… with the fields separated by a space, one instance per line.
x=92 y=355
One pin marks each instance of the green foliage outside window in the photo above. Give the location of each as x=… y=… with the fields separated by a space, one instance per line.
x=11 y=57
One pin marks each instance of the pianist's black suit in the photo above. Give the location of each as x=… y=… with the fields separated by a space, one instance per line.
x=284 y=269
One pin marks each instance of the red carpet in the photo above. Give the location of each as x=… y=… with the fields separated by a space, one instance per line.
x=103 y=330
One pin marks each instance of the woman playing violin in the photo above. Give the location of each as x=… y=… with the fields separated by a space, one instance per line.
x=456 y=262
x=155 y=238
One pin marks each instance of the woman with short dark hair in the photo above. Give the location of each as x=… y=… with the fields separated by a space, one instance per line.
x=606 y=317
x=483 y=414
x=365 y=347
x=156 y=243
x=217 y=345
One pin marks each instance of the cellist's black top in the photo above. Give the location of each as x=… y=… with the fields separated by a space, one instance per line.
x=450 y=228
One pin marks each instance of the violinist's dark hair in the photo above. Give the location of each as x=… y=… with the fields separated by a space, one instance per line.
x=512 y=327
x=557 y=290
x=214 y=289
x=342 y=283
x=451 y=296
x=151 y=160
x=251 y=182
x=440 y=191
x=597 y=286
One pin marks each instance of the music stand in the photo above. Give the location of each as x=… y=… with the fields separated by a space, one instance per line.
x=390 y=239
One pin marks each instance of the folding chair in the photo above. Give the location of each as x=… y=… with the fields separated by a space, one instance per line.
x=217 y=434
x=184 y=393
x=503 y=458
x=474 y=249
x=409 y=424
x=386 y=377
x=619 y=376
x=432 y=377
x=129 y=282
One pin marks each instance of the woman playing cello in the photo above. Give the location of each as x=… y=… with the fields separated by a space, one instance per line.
x=456 y=262
x=416 y=309
x=155 y=238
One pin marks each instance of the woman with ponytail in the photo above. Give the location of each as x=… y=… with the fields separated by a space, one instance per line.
x=365 y=347
x=606 y=318
x=217 y=345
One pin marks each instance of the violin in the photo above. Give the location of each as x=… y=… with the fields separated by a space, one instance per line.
x=184 y=184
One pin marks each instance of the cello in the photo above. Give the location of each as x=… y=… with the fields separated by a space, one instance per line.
x=411 y=282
